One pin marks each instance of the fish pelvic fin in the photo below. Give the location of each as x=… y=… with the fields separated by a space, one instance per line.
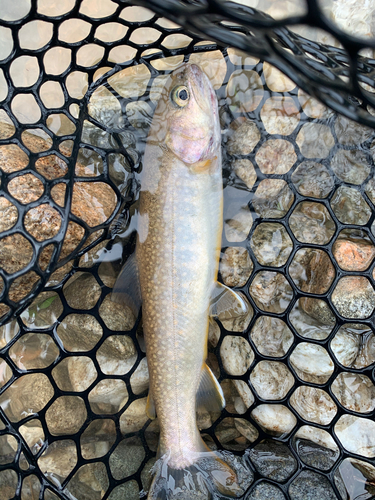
x=127 y=289
x=210 y=395
x=208 y=477
x=226 y=303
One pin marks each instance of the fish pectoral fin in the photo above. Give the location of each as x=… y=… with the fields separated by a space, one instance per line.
x=226 y=303
x=127 y=289
x=150 y=406
x=210 y=395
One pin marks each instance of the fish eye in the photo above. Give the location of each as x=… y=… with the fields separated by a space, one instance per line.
x=180 y=96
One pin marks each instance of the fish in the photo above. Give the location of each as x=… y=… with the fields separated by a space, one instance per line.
x=173 y=275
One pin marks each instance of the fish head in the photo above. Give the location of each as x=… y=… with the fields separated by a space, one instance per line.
x=188 y=118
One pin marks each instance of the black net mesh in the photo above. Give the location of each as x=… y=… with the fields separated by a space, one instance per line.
x=79 y=81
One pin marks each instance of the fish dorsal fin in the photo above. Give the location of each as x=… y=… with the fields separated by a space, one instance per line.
x=210 y=395
x=150 y=406
x=127 y=289
x=226 y=303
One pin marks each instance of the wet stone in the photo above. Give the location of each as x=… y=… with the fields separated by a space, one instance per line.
x=315 y=140
x=128 y=490
x=244 y=139
x=353 y=250
x=266 y=491
x=312 y=363
x=312 y=223
x=271 y=244
x=272 y=199
x=345 y=346
x=312 y=179
x=309 y=326
x=354 y=391
x=273 y=460
x=271 y=336
x=236 y=355
x=276 y=420
x=351 y=166
x=366 y=354
x=82 y=291
x=310 y=486
x=235 y=266
x=276 y=156
x=272 y=380
x=355 y=479
x=318 y=309
x=244 y=169
x=271 y=291
x=312 y=270
x=357 y=435
x=350 y=207
x=314 y=405
x=350 y=133
x=354 y=297
x=126 y=458
x=314 y=455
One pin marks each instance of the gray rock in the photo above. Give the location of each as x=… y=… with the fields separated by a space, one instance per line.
x=311 y=486
x=273 y=460
x=316 y=456
x=266 y=491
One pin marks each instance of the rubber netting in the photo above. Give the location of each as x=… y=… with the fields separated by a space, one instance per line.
x=79 y=81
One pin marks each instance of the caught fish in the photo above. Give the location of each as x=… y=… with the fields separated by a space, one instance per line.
x=175 y=267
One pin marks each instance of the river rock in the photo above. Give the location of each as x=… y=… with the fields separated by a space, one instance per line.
x=357 y=435
x=236 y=355
x=366 y=355
x=350 y=166
x=271 y=244
x=66 y=415
x=311 y=222
x=354 y=297
x=272 y=380
x=308 y=326
x=244 y=138
x=311 y=485
x=134 y=417
x=271 y=291
x=272 y=199
x=58 y=460
x=312 y=179
x=27 y=395
x=277 y=420
x=345 y=346
x=312 y=270
x=273 y=460
x=235 y=266
x=313 y=405
x=92 y=202
x=245 y=170
x=271 y=336
x=318 y=309
x=312 y=363
x=276 y=156
x=355 y=475
x=353 y=250
x=266 y=491
x=354 y=391
x=350 y=207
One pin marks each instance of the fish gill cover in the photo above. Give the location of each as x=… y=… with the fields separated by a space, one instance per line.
x=79 y=82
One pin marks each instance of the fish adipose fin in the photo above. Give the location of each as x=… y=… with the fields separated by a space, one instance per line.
x=210 y=474
x=226 y=303
x=210 y=395
x=127 y=289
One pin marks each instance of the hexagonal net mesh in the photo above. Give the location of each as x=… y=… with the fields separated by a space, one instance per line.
x=79 y=81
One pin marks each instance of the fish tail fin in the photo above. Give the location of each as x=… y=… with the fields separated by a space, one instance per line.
x=209 y=475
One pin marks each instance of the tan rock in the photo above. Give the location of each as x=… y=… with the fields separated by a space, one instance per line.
x=354 y=391
x=354 y=297
x=277 y=420
x=134 y=417
x=244 y=139
x=236 y=355
x=272 y=337
x=276 y=156
x=235 y=266
x=66 y=415
x=357 y=435
x=313 y=405
x=272 y=380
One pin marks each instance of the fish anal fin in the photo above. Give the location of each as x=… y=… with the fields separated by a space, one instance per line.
x=127 y=289
x=227 y=304
x=150 y=407
x=210 y=395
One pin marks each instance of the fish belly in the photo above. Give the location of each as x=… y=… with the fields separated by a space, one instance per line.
x=178 y=260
